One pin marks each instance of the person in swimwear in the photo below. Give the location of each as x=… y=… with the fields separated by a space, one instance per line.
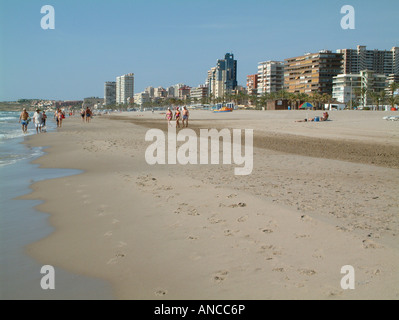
x=60 y=116
x=23 y=119
x=185 y=117
x=169 y=116
x=88 y=114
x=177 y=117
x=83 y=114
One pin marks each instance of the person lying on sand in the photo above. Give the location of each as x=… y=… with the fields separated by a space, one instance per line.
x=305 y=120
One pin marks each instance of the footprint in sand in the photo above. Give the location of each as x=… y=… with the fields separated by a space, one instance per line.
x=220 y=276
x=115 y=259
x=192 y=238
x=238 y=205
x=160 y=292
x=215 y=220
x=266 y=230
x=369 y=244
x=108 y=234
x=307 y=272
x=121 y=244
x=242 y=219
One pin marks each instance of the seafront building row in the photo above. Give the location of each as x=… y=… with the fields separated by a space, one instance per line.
x=341 y=74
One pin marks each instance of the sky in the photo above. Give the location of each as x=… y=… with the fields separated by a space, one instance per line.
x=165 y=42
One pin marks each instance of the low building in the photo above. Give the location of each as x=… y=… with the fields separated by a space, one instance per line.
x=199 y=93
x=357 y=87
x=141 y=98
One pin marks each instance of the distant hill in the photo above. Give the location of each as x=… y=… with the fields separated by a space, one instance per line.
x=15 y=106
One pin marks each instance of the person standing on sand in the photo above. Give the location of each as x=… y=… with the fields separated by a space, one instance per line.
x=169 y=116
x=24 y=120
x=83 y=114
x=185 y=117
x=56 y=116
x=177 y=117
x=88 y=114
x=60 y=116
x=38 y=121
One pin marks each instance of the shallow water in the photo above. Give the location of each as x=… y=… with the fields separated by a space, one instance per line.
x=21 y=224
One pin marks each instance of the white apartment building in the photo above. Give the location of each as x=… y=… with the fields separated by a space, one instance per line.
x=141 y=98
x=270 y=76
x=125 y=89
x=346 y=87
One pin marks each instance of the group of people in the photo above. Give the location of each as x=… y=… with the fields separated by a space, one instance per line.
x=86 y=114
x=39 y=120
x=183 y=115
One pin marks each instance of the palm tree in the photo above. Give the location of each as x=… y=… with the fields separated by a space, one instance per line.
x=253 y=98
x=377 y=98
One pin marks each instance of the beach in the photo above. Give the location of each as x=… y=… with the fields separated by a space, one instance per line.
x=321 y=195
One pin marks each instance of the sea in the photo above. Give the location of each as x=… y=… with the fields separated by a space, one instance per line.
x=22 y=277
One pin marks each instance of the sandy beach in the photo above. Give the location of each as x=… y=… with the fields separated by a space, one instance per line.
x=321 y=195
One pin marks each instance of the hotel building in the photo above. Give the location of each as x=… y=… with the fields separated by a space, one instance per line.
x=312 y=72
x=252 y=84
x=380 y=61
x=347 y=87
x=199 y=93
x=222 y=79
x=109 y=93
x=270 y=76
x=125 y=89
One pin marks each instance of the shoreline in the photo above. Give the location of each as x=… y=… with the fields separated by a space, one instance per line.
x=22 y=224
x=148 y=231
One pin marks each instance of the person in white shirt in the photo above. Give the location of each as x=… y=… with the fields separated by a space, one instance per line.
x=38 y=121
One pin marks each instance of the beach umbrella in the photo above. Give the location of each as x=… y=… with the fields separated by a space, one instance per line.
x=305 y=105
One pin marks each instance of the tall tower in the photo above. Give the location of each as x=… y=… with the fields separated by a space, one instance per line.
x=222 y=79
x=125 y=89
x=110 y=93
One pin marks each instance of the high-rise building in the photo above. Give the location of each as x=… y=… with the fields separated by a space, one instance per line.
x=109 y=93
x=150 y=91
x=270 y=77
x=222 y=79
x=312 y=72
x=252 y=84
x=125 y=89
x=380 y=61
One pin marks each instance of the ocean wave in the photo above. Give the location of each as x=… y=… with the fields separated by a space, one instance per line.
x=3 y=119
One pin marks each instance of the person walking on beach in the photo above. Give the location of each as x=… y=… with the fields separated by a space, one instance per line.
x=185 y=117
x=24 y=120
x=44 y=121
x=177 y=117
x=83 y=114
x=88 y=114
x=56 y=116
x=60 y=117
x=38 y=121
x=169 y=116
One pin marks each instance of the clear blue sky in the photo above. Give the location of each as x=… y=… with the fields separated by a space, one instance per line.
x=164 y=42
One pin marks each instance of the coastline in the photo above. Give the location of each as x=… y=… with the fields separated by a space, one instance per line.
x=22 y=224
x=148 y=231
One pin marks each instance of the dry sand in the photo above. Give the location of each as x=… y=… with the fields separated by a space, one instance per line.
x=321 y=196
